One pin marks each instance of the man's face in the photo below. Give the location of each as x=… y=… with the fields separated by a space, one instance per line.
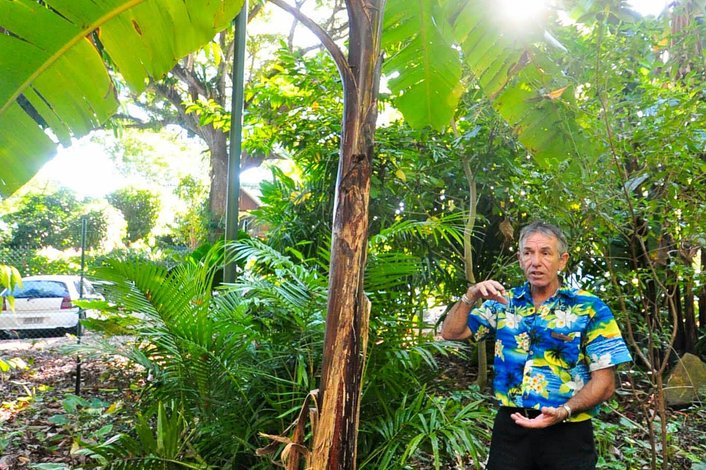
x=541 y=259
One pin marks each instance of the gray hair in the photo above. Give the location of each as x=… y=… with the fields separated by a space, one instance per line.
x=544 y=228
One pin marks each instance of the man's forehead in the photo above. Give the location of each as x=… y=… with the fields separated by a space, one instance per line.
x=540 y=240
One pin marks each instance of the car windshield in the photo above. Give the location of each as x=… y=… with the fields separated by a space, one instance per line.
x=40 y=289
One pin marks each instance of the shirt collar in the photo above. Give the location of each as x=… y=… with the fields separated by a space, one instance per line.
x=563 y=291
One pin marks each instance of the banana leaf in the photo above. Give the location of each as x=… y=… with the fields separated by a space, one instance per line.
x=62 y=62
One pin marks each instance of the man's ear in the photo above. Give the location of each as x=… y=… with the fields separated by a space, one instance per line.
x=564 y=258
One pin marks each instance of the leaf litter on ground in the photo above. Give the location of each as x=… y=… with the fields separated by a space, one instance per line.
x=42 y=418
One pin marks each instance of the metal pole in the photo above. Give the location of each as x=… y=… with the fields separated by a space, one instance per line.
x=236 y=134
x=81 y=313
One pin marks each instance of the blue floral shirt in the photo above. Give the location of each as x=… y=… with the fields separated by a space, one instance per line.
x=545 y=356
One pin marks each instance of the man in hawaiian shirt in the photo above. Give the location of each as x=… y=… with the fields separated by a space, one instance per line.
x=556 y=349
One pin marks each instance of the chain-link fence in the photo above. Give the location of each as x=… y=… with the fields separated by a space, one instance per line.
x=20 y=257
x=44 y=304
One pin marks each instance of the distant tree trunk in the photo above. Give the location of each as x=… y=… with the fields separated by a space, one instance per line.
x=216 y=140
x=482 y=379
x=187 y=83
x=686 y=46
x=218 y=146
x=335 y=436
x=674 y=292
x=702 y=292
x=691 y=336
x=687 y=51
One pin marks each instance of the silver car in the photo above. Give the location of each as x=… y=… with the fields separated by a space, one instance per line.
x=45 y=302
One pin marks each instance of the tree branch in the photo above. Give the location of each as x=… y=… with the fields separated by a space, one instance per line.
x=131 y=122
x=223 y=66
x=192 y=82
x=256 y=9
x=190 y=121
x=333 y=49
x=331 y=21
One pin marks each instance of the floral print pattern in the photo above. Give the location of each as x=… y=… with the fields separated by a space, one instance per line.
x=499 y=349
x=523 y=341
x=545 y=356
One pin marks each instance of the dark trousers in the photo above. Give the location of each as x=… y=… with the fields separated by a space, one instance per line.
x=565 y=446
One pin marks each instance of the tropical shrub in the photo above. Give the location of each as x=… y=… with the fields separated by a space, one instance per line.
x=450 y=428
x=233 y=371
x=242 y=359
x=162 y=442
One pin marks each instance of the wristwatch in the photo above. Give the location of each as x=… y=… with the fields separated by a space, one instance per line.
x=568 y=411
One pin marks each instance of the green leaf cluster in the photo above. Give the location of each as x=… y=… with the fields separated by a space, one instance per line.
x=241 y=360
x=55 y=220
x=140 y=207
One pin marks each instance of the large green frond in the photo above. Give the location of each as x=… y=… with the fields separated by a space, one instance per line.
x=276 y=279
x=389 y=268
x=446 y=228
x=425 y=66
x=59 y=60
x=526 y=87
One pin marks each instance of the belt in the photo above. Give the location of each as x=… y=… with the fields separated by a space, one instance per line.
x=526 y=412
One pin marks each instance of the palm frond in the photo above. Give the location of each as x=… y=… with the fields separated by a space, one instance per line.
x=392 y=266
x=162 y=442
x=276 y=279
x=440 y=426
x=447 y=228
x=251 y=349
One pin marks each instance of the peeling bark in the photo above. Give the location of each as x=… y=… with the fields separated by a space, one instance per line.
x=345 y=345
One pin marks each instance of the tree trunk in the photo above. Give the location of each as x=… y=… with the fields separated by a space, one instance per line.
x=674 y=292
x=482 y=379
x=335 y=437
x=690 y=328
x=218 y=147
x=702 y=291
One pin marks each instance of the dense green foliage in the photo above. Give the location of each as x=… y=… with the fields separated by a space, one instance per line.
x=242 y=361
x=140 y=207
x=55 y=220
x=190 y=225
x=627 y=212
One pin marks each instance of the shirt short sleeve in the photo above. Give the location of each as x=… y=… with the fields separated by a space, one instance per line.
x=483 y=320
x=605 y=346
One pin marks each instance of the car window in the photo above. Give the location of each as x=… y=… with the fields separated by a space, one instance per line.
x=88 y=290
x=39 y=289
